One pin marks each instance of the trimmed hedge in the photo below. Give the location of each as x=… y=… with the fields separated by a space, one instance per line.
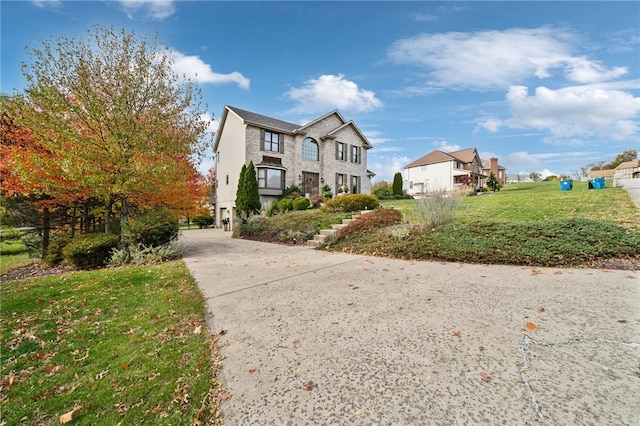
x=90 y=252
x=301 y=203
x=351 y=203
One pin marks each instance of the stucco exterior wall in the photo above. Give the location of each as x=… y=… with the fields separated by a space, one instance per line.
x=433 y=177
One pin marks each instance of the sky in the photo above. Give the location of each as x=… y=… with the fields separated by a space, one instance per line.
x=544 y=86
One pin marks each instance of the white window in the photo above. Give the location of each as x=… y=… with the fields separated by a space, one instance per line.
x=270 y=178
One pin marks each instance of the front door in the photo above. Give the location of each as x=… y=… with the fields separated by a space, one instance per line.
x=310 y=182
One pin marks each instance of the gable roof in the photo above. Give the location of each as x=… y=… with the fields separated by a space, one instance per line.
x=437 y=156
x=628 y=165
x=433 y=157
x=263 y=121
x=465 y=155
x=259 y=120
x=607 y=173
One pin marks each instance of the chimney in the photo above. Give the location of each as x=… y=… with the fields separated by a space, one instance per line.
x=493 y=168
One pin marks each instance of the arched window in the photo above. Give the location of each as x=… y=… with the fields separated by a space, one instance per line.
x=310 y=150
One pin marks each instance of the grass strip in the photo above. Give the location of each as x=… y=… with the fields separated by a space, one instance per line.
x=120 y=346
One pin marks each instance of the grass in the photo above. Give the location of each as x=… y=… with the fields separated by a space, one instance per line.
x=120 y=346
x=301 y=225
x=523 y=224
x=539 y=201
x=9 y=262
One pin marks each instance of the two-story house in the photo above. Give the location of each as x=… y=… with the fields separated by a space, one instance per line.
x=442 y=171
x=328 y=150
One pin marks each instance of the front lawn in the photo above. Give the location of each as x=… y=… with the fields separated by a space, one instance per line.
x=111 y=346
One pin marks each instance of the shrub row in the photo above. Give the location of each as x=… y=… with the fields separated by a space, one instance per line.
x=351 y=203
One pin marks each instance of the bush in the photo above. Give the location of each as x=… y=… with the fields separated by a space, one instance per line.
x=33 y=242
x=292 y=192
x=7 y=234
x=351 y=203
x=285 y=204
x=55 y=254
x=325 y=191
x=317 y=200
x=301 y=203
x=90 y=252
x=203 y=220
x=378 y=218
x=11 y=247
x=154 y=227
x=437 y=208
x=139 y=254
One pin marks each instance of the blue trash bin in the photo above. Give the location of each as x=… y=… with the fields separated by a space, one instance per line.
x=565 y=185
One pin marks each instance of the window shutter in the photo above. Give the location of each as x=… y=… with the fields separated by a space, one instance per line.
x=281 y=143
x=337 y=145
x=359 y=155
x=261 y=139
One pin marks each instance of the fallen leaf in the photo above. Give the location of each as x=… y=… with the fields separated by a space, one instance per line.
x=541 y=309
x=531 y=326
x=223 y=332
x=428 y=378
x=557 y=273
x=197 y=330
x=457 y=334
x=485 y=378
x=536 y=272
x=308 y=386
x=622 y=321
x=252 y=370
x=481 y=348
x=67 y=417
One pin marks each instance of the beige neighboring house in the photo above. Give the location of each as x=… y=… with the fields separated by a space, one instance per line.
x=443 y=171
x=627 y=174
x=328 y=150
x=607 y=174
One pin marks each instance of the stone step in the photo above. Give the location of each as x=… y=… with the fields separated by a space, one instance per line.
x=324 y=233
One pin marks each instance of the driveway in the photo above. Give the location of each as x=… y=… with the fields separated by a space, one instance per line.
x=316 y=338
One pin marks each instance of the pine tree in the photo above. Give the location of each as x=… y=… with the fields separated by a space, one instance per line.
x=397 y=184
x=241 y=195
x=251 y=190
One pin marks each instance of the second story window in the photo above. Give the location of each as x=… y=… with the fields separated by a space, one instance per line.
x=355 y=154
x=272 y=142
x=341 y=151
x=310 y=150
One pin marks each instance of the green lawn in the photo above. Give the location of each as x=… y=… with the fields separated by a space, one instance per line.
x=538 y=201
x=121 y=346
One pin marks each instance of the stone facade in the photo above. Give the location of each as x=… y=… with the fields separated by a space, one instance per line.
x=241 y=139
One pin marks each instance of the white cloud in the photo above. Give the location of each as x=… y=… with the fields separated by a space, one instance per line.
x=156 y=9
x=488 y=60
x=196 y=68
x=329 y=92
x=47 y=3
x=386 y=167
x=572 y=112
x=446 y=146
x=375 y=137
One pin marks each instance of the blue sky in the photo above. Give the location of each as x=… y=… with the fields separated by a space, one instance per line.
x=543 y=86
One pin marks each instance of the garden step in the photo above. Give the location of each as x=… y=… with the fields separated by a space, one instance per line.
x=325 y=232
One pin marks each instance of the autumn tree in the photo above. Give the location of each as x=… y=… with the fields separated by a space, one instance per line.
x=113 y=112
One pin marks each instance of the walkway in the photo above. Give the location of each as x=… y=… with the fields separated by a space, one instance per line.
x=316 y=338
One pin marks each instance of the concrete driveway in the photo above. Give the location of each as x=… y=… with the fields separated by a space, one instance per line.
x=317 y=338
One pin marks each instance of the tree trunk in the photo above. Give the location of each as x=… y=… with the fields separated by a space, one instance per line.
x=123 y=220
x=46 y=231
x=108 y=216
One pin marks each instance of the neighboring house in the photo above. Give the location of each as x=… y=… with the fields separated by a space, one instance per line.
x=625 y=172
x=498 y=171
x=607 y=174
x=442 y=171
x=329 y=150
x=519 y=178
